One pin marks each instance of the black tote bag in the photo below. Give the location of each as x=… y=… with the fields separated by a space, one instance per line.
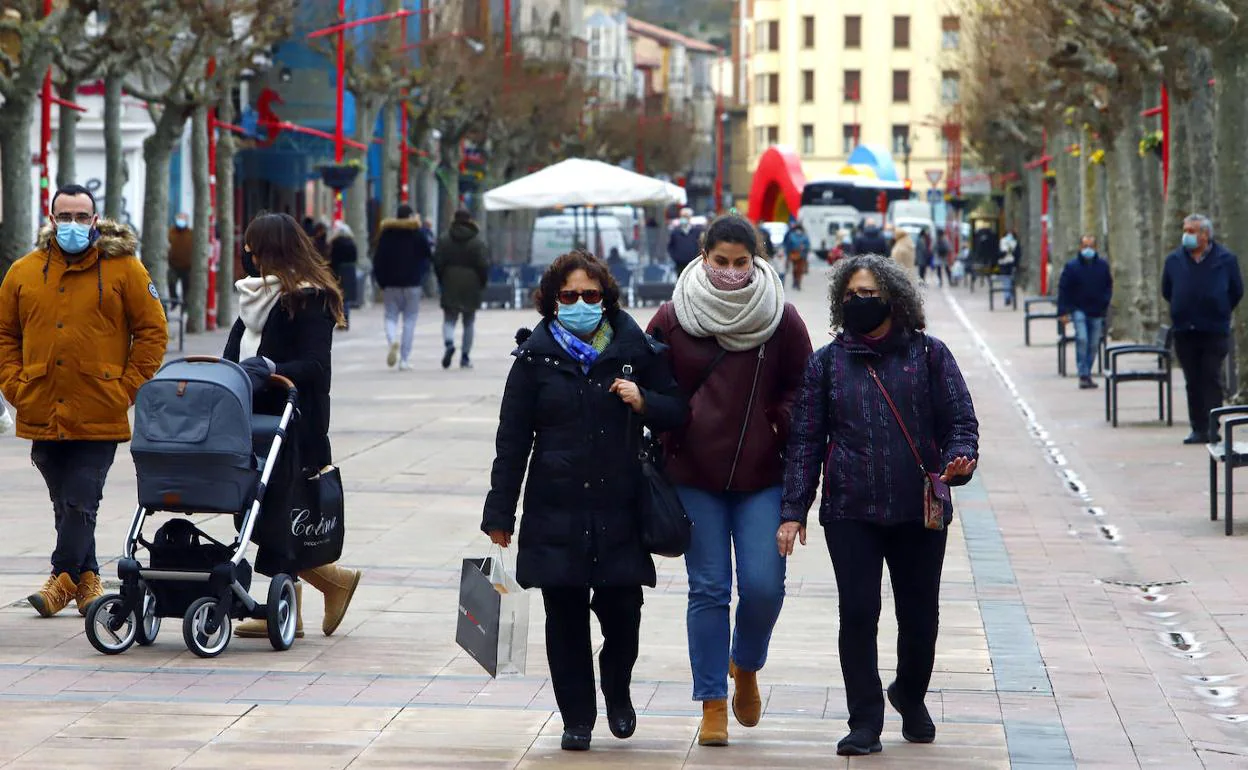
x=666 y=529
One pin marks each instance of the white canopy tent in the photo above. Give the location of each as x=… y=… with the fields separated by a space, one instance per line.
x=577 y=182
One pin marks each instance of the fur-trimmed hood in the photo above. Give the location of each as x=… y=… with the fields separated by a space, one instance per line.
x=114 y=239
x=401 y=224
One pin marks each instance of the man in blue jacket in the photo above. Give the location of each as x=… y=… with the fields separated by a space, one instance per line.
x=1083 y=296
x=1203 y=285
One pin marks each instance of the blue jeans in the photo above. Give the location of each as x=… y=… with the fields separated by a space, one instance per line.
x=723 y=522
x=401 y=301
x=1088 y=331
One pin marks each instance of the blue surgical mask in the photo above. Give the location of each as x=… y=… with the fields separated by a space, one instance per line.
x=582 y=318
x=1189 y=241
x=73 y=237
x=1088 y=253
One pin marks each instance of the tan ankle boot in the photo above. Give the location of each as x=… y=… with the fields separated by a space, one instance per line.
x=89 y=589
x=57 y=592
x=714 y=731
x=338 y=584
x=747 y=704
x=257 y=628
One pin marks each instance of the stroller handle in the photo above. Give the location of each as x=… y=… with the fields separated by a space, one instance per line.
x=292 y=393
x=202 y=359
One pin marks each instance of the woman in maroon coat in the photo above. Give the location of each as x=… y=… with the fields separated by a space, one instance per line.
x=738 y=351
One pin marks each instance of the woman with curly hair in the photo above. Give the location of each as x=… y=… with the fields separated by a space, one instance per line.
x=884 y=410
x=581 y=387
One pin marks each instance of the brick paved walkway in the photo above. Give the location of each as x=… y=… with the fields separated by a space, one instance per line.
x=1059 y=646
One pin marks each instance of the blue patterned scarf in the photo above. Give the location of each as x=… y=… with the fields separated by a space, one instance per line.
x=584 y=353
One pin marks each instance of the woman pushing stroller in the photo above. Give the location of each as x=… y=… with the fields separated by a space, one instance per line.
x=289 y=305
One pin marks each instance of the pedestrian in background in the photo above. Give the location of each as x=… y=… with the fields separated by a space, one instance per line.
x=343 y=256
x=684 y=243
x=582 y=385
x=904 y=252
x=1083 y=296
x=796 y=247
x=870 y=240
x=872 y=509
x=463 y=265
x=181 y=251
x=81 y=328
x=400 y=262
x=738 y=351
x=288 y=305
x=1202 y=282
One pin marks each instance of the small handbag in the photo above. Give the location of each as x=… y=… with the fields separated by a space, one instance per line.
x=666 y=529
x=935 y=492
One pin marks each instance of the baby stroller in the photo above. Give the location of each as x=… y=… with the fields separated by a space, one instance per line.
x=197 y=448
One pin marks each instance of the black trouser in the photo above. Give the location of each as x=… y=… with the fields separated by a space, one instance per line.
x=75 y=472
x=1203 y=358
x=915 y=556
x=571 y=656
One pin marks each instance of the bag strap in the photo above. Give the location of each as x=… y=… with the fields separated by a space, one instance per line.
x=706 y=373
x=897 y=414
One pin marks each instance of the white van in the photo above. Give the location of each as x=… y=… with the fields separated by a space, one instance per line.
x=557 y=235
x=912 y=213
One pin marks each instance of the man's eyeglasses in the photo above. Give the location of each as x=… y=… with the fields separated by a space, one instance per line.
x=80 y=218
x=591 y=297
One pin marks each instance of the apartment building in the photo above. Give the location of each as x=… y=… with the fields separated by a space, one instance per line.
x=823 y=77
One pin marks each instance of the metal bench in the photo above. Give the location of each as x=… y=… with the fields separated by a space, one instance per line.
x=1230 y=454
x=1033 y=310
x=1067 y=339
x=500 y=288
x=656 y=285
x=1162 y=374
x=1001 y=284
x=623 y=275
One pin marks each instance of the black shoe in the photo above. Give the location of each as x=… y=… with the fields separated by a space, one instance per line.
x=1086 y=383
x=464 y=363
x=859 y=743
x=1196 y=437
x=916 y=723
x=622 y=719
x=576 y=738
x=447 y=356
x=1217 y=439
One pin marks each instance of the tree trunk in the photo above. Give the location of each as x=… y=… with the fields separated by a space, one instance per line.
x=1088 y=193
x=157 y=152
x=1067 y=209
x=1032 y=181
x=197 y=288
x=356 y=209
x=115 y=176
x=1231 y=64
x=1125 y=247
x=390 y=160
x=1201 y=119
x=67 y=137
x=226 y=304
x=1179 y=194
x=15 y=235
x=1148 y=209
x=448 y=179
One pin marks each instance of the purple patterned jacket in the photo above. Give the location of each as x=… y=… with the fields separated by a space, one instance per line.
x=842 y=424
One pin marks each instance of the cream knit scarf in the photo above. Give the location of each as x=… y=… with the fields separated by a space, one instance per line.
x=739 y=320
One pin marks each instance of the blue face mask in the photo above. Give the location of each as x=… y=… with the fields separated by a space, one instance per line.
x=1088 y=253
x=1189 y=241
x=73 y=237
x=582 y=318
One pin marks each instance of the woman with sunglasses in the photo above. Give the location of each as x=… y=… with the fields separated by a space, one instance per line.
x=738 y=350
x=583 y=383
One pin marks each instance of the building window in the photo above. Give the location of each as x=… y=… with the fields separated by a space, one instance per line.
x=901 y=32
x=808 y=85
x=760 y=137
x=901 y=86
x=950 y=33
x=853 y=32
x=773 y=36
x=849 y=138
x=949 y=87
x=760 y=36
x=773 y=135
x=853 y=85
x=808 y=31
x=760 y=89
x=773 y=88
x=808 y=139
x=901 y=140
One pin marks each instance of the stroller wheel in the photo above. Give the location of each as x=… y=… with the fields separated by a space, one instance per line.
x=111 y=627
x=203 y=636
x=149 y=621
x=283 y=612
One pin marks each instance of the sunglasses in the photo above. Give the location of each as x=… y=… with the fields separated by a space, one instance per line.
x=591 y=296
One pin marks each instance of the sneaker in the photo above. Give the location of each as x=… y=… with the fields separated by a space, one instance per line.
x=464 y=363
x=405 y=365
x=1087 y=383
x=57 y=592
x=392 y=357
x=89 y=589
x=448 y=356
x=1196 y=437
x=859 y=743
x=916 y=723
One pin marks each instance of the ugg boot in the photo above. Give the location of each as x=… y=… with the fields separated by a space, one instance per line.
x=747 y=704
x=338 y=584
x=89 y=589
x=57 y=592
x=258 y=628
x=714 y=730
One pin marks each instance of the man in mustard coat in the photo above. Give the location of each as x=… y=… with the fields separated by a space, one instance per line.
x=81 y=328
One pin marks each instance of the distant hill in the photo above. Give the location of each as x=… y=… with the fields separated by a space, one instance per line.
x=709 y=20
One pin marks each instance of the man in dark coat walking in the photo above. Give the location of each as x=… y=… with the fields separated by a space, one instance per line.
x=1202 y=283
x=1083 y=295
x=685 y=243
x=400 y=263
x=463 y=267
x=871 y=240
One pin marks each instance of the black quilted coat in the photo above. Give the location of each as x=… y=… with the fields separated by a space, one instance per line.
x=580 y=502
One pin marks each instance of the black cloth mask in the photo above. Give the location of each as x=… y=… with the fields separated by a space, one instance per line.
x=249 y=264
x=864 y=315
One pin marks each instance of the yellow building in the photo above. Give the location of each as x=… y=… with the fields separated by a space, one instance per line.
x=824 y=75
